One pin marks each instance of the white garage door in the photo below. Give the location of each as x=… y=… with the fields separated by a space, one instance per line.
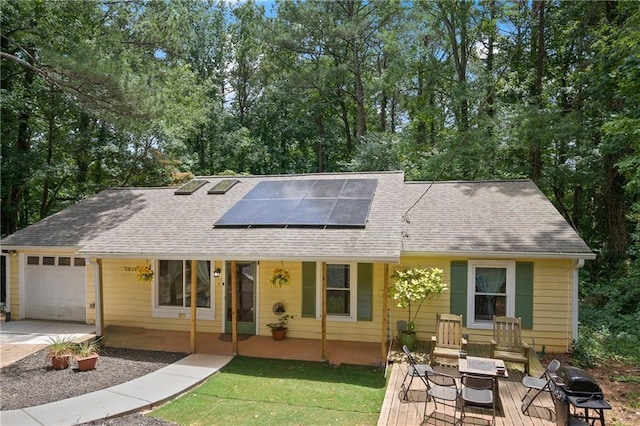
x=55 y=288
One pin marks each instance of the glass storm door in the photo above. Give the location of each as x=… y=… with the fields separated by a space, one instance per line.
x=245 y=297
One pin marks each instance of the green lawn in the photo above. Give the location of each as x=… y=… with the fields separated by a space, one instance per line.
x=279 y=392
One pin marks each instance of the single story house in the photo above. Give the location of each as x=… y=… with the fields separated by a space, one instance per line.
x=502 y=245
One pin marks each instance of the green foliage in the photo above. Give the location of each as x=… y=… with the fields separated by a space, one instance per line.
x=86 y=348
x=614 y=304
x=60 y=346
x=414 y=286
x=598 y=346
x=98 y=94
x=281 y=323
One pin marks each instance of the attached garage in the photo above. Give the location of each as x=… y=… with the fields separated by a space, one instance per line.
x=55 y=288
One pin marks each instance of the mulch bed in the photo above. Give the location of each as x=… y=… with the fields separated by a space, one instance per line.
x=31 y=381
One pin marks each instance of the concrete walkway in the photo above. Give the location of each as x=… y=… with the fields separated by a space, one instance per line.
x=24 y=337
x=21 y=338
x=138 y=394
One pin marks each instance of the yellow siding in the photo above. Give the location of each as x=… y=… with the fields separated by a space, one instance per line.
x=311 y=328
x=552 y=314
x=128 y=301
x=14 y=286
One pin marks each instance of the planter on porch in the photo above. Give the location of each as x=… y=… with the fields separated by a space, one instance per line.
x=409 y=338
x=279 y=334
x=279 y=328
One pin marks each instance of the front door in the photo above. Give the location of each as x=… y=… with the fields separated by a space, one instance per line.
x=245 y=297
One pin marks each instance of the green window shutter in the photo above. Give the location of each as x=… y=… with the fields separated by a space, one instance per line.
x=524 y=293
x=309 y=289
x=365 y=291
x=458 y=299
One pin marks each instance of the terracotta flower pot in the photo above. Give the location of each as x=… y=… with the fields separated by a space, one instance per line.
x=87 y=363
x=60 y=362
x=279 y=334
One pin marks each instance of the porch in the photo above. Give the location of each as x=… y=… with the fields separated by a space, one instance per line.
x=338 y=352
x=395 y=411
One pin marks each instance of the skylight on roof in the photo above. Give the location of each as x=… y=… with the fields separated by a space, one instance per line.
x=223 y=186
x=190 y=187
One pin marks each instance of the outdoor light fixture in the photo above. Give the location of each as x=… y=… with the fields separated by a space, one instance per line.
x=216 y=272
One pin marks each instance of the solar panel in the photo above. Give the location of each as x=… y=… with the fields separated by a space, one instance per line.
x=312 y=211
x=265 y=190
x=320 y=202
x=294 y=189
x=242 y=213
x=327 y=188
x=276 y=212
x=359 y=188
x=350 y=212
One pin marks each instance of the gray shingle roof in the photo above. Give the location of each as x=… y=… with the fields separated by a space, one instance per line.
x=486 y=217
x=155 y=222
x=453 y=217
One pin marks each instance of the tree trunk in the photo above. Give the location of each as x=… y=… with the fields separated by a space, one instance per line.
x=320 y=147
x=537 y=40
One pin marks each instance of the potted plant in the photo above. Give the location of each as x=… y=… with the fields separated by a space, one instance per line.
x=3 y=313
x=60 y=349
x=279 y=328
x=411 y=287
x=280 y=277
x=86 y=354
x=145 y=272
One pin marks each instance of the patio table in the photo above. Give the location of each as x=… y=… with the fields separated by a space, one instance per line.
x=484 y=367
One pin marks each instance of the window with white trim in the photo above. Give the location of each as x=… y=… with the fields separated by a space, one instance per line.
x=491 y=291
x=341 y=297
x=173 y=288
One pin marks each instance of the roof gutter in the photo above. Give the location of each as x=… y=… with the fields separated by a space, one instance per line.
x=503 y=255
x=246 y=257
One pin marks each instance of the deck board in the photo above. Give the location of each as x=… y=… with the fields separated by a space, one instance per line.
x=397 y=412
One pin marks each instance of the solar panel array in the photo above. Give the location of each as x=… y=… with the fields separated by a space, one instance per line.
x=319 y=202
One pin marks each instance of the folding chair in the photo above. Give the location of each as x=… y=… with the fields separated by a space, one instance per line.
x=444 y=388
x=480 y=391
x=538 y=384
x=413 y=370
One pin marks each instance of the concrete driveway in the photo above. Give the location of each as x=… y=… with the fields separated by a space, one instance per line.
x=24 y=337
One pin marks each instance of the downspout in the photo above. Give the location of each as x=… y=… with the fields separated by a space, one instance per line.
x=579 y=263
x=7 y=278
x=385 y=319
x=97 y=294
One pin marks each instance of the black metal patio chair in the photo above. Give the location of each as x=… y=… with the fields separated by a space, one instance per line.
x=413 y=370
x=537 y=385
x=479 y=391
x=442 y=388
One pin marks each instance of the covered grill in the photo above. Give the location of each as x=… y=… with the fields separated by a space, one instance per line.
x=577 y=382
x=576 y=388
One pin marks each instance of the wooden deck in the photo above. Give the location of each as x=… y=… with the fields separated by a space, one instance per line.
x=395 y=411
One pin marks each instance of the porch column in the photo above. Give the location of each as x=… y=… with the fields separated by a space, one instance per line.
x=323 y=336
x=385 y=319
x=194 y=303
x=98 y=284
x=234 y=307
